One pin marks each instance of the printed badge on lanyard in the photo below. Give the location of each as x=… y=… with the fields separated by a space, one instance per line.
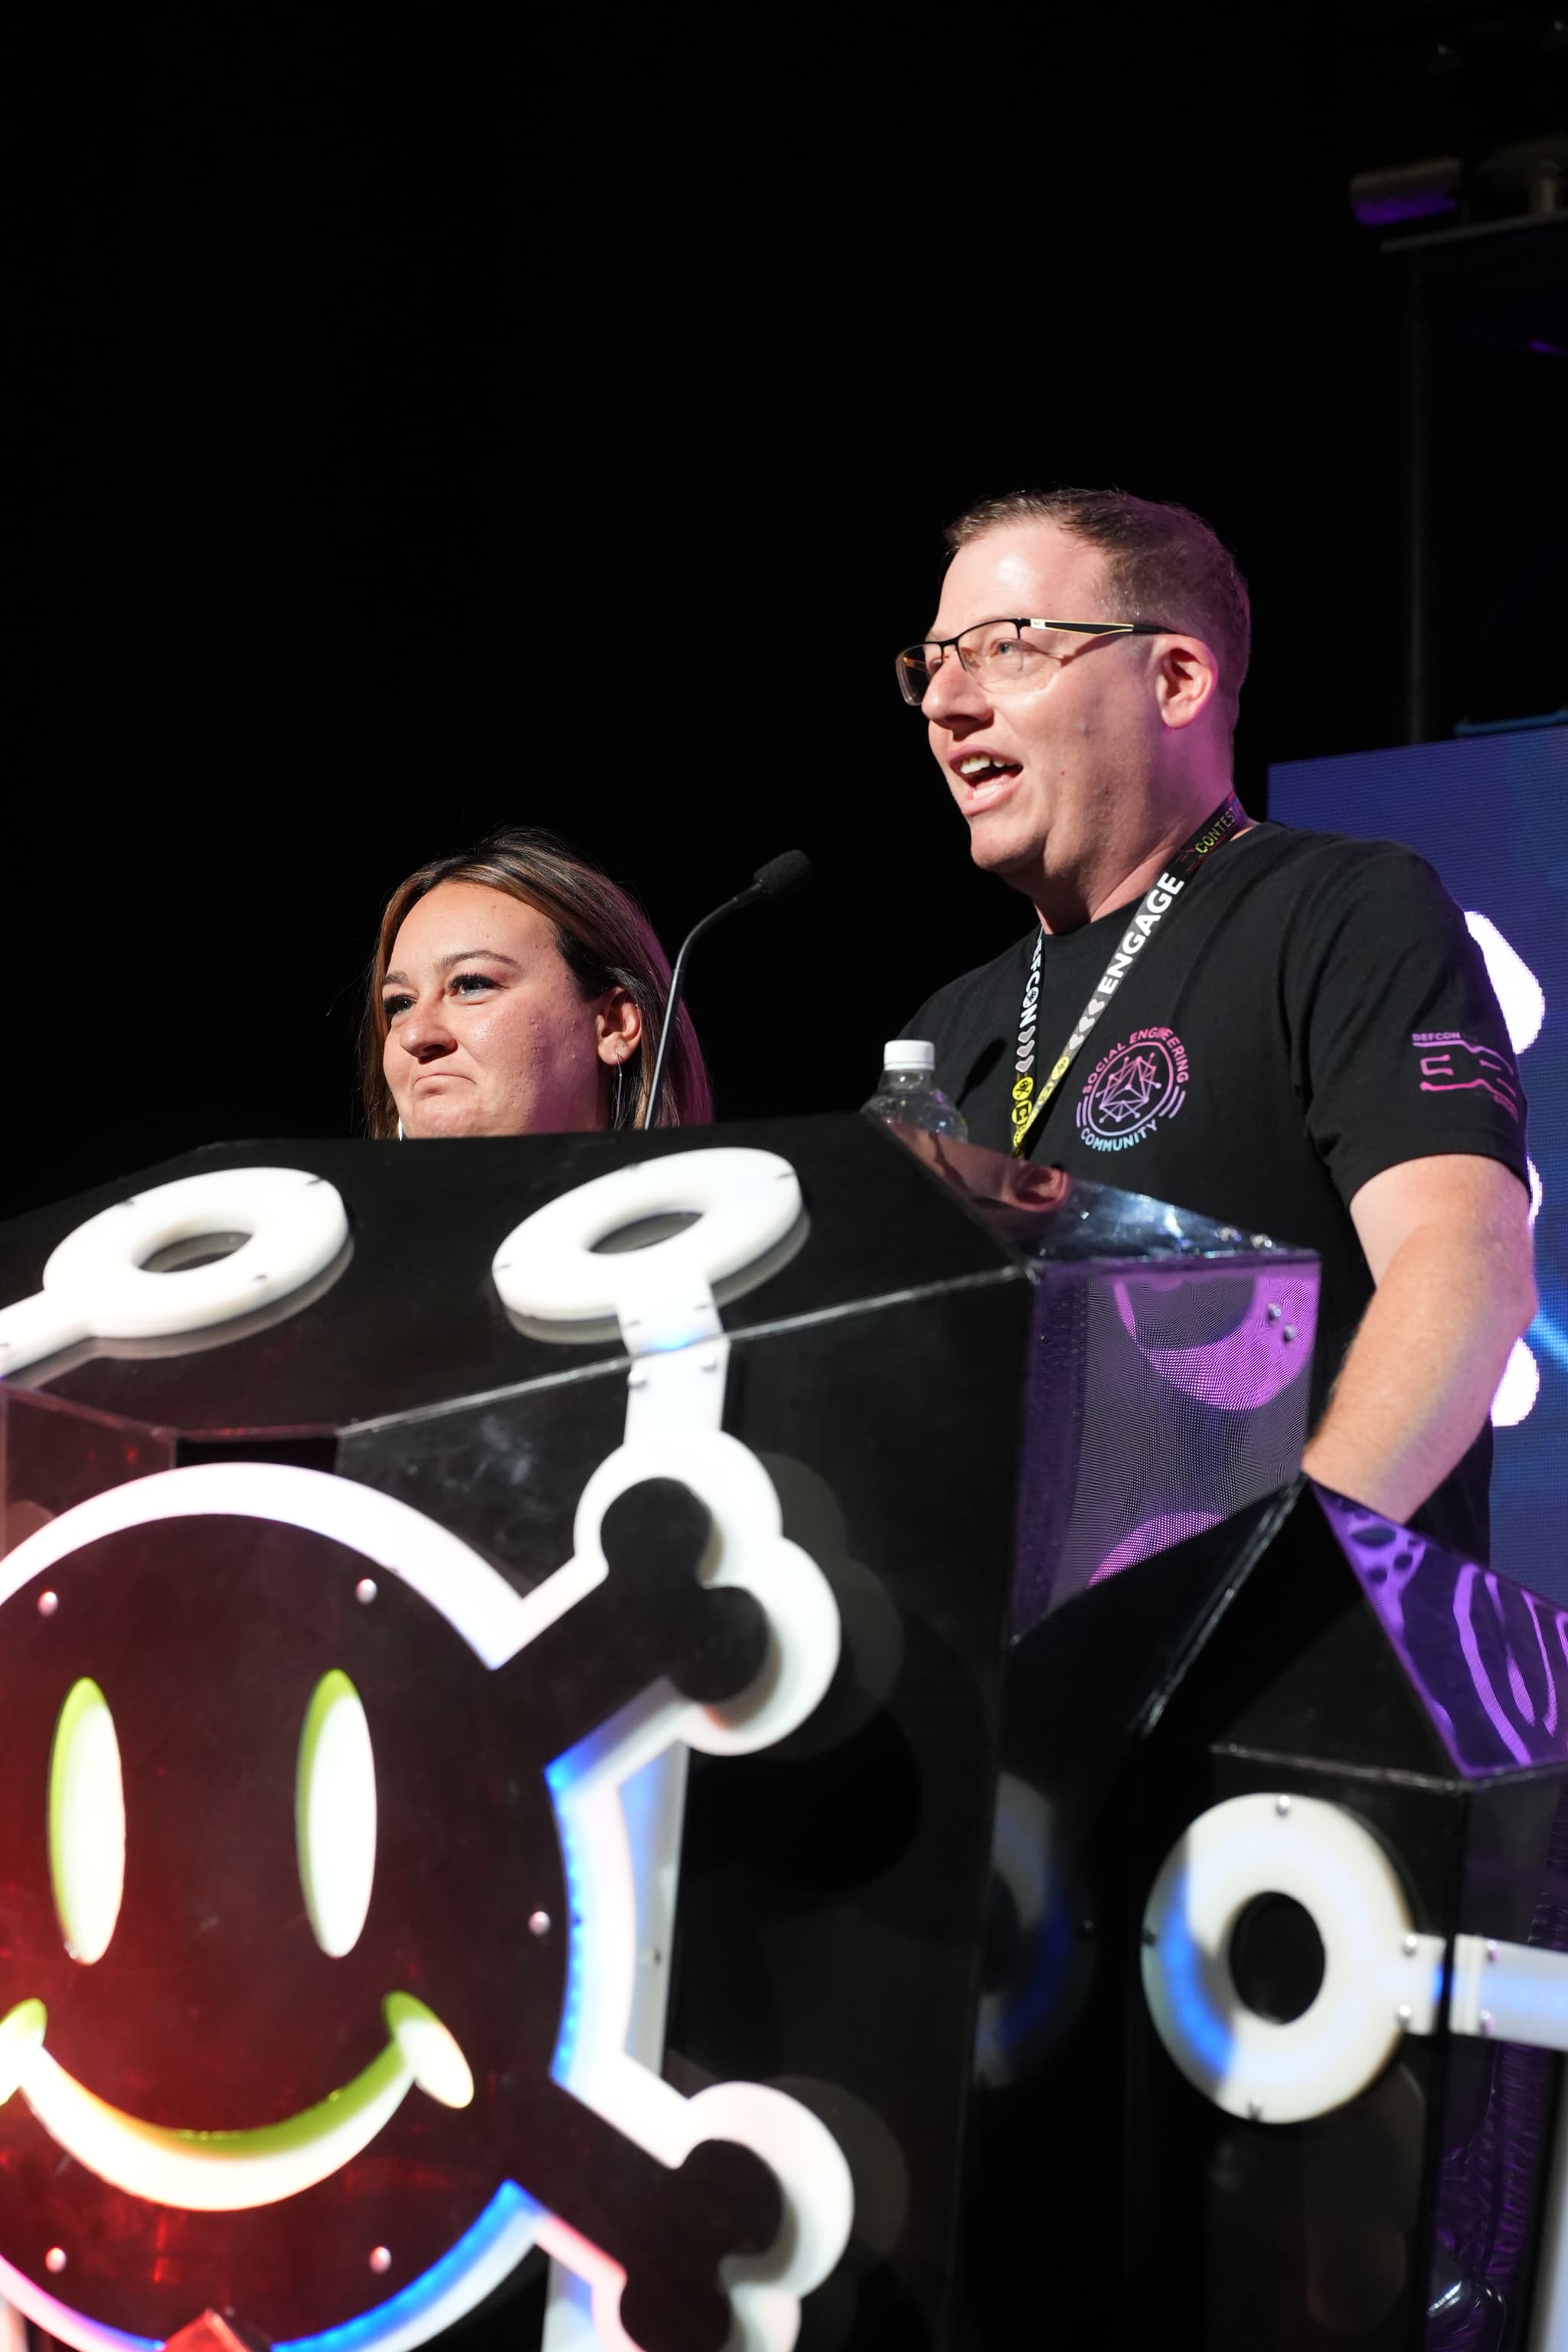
x=1026 y=1103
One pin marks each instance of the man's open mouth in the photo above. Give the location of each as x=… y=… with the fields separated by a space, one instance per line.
x=984 y=768
x=229 y=2171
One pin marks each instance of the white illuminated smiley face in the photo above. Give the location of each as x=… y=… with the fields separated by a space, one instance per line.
x=238 y=1905
x=282 y=1960
x=222 y=2171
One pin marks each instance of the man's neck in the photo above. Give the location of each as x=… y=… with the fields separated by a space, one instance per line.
x=1066 y=903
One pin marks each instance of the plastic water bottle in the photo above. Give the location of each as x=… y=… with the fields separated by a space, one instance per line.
x=908 y=1090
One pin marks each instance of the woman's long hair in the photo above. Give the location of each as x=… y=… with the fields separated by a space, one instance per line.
x=606 y=941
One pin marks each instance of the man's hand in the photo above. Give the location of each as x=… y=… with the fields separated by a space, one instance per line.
x=1448 y=1239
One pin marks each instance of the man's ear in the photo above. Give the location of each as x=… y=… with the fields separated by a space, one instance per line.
x=1186 y=680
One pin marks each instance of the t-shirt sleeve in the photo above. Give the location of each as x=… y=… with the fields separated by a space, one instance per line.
x=1400 y=1050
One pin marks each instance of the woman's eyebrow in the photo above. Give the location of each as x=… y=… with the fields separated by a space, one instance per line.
x=445 y=963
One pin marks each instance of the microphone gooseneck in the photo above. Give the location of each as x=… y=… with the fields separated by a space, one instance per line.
x=775 y=880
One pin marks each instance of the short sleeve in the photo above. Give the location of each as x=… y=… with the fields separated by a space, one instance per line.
x=1399 y=1047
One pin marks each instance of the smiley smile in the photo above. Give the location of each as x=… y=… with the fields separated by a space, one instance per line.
x=229 y=2171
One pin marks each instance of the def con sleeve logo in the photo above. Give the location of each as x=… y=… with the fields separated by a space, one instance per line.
x=1451 y=1063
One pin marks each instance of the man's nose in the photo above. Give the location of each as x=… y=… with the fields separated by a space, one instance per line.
x=952 y=698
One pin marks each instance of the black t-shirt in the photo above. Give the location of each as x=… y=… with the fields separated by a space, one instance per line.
x=1312 y=1011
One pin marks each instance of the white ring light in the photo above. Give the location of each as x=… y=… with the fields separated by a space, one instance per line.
x=1380 y=1979
x=97 y=1284
x=745 y=1203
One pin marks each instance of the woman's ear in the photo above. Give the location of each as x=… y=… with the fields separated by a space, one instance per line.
x=619 y=1026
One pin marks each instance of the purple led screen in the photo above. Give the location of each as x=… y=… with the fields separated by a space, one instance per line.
x=1491 y=813
x=1486 y=1658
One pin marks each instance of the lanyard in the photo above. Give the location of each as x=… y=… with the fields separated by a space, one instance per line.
x=1157 y=903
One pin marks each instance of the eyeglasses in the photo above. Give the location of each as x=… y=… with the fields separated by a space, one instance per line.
x=994 y=652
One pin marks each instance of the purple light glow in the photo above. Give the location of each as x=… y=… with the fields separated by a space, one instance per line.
x=1403 y=205
x=1270 y=1347
x=1487 y=1657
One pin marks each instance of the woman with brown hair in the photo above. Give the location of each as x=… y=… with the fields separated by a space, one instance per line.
x=516 y=991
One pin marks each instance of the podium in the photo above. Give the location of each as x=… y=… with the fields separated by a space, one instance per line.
x=541 y=1729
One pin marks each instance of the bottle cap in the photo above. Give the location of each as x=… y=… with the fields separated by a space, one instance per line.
x=910 y=1054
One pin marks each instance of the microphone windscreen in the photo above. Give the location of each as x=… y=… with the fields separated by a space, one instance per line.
x=785 y=872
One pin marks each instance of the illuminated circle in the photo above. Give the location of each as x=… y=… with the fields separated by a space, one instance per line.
x=1374 y=1966
x=264 y=2169
x=1519 y=996
x=476 y=1602
x=580 y=2027
x=98 y=1284
x=744 y=1202
x=1518 y=1389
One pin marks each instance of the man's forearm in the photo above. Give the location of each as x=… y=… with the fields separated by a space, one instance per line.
x=1418 y=1380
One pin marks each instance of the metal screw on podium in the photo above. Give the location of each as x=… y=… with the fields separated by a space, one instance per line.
x=538 y=1923
x=55 y=2259
x=47 y=1603
x=380 y=2258
x=365 y=1591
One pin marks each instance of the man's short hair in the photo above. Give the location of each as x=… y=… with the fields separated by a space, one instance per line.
x=1161 y=563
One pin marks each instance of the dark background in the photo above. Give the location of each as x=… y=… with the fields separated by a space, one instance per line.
x=429 y=418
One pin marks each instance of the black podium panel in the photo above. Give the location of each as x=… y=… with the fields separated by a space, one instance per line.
x=410 y=1319
x=979 y=1400
x=833 y=1887
x=1267 y=2055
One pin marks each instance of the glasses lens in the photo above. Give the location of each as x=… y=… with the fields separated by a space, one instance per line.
x=995 y=655
x=914 y=674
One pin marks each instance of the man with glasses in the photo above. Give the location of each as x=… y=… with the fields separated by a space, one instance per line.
x=1291 y=1032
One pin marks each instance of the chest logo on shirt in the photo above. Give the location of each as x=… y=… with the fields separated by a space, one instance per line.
x=1133 y=1090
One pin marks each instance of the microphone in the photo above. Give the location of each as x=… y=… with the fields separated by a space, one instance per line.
x=780 y=875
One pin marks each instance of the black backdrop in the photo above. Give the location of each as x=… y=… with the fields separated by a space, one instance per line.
x=437 y=417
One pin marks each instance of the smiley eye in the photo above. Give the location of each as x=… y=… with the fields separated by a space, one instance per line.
x=86 y=1822
x=334 y=1814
